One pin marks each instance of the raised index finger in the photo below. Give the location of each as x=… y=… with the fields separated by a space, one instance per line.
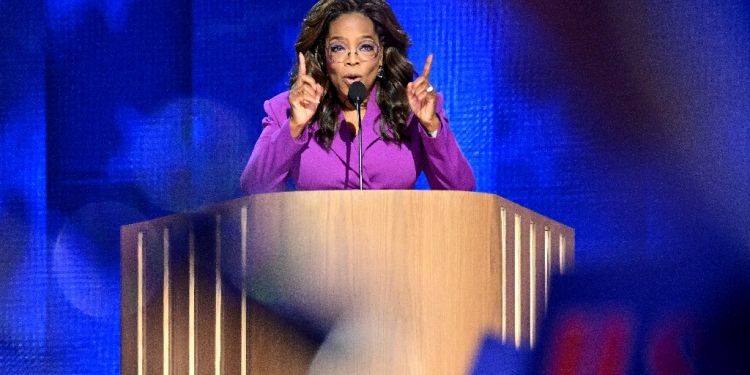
x=302 y=66
x=427 y=67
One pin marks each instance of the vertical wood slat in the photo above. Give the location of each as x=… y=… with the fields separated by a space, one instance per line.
x=496 y=255
x=570 y=250
x=533 y=280
x=504 y=273
x=232 y=261
x=547 y=263
x=518 y=282
x=204 y=227
x=554 y=259
x=191 y=302
x=166 y=311
x=129 y=332
x=141 y=306
x=178 y=238
x=539 y=277
x=567 y=245
x=563 y=259
x=153 y=303
x=243 y=295
x=510 y=274
x=217 y=298
x=525 y=280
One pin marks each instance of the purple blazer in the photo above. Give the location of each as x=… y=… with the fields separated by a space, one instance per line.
x=386 y=165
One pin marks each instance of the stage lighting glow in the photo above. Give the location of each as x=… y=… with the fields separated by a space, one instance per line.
x=188 y=154
x=65 y=14
x=86 y=257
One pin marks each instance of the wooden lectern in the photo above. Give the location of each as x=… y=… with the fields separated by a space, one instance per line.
x=402 y=282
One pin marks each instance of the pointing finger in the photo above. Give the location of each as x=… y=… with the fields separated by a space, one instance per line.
x=304 y=80
x=302 y=66
x=427 y=67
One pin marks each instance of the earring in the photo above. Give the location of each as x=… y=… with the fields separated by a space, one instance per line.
x=380 y=71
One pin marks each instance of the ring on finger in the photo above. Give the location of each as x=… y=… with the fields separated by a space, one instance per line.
x=430 y=89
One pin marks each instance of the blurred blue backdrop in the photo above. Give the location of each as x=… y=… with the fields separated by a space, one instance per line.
x=626 y=120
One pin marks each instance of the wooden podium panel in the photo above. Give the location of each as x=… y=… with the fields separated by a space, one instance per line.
x=182 y=316
x=403 y=282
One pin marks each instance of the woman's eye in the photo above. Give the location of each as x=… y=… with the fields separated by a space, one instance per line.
x=367 y=47
x=335 y=48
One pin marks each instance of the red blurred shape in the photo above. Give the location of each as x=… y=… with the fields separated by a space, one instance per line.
x=591 y=341
x=669 y=346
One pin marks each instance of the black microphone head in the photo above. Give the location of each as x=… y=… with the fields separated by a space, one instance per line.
x=357 y=92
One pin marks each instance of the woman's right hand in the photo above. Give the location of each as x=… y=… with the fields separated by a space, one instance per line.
x=304 y=97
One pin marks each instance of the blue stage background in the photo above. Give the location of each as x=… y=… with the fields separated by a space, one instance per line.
x=628 y=121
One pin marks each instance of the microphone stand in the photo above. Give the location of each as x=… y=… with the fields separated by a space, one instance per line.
x=357 y=92
x=359 y=120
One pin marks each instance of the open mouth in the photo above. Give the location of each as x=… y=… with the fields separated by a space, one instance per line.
x=351 y=78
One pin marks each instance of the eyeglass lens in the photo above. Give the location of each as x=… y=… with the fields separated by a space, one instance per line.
x=366 y=51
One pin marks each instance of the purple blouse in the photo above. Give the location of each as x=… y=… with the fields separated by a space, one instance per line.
x=386 y=165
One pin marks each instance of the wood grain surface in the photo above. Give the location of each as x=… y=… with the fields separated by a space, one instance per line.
x=402 y=282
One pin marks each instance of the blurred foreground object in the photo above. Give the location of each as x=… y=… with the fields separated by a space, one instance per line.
x=680 y=316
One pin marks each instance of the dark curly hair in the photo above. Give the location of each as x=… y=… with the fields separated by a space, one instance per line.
x=398 y=71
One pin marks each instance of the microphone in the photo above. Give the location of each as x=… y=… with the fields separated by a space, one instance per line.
x=357 y=92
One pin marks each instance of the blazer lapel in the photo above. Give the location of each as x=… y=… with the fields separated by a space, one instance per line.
x=371 y=121
x=345 y=145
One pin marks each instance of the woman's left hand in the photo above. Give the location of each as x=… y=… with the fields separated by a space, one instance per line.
x=422 y=99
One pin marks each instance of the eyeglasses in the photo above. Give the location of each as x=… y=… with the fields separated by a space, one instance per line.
x=366 y=51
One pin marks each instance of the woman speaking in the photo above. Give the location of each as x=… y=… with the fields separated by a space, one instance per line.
x=310 y=132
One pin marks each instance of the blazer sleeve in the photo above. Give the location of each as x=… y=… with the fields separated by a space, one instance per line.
x=275 y=151
x=446 y=167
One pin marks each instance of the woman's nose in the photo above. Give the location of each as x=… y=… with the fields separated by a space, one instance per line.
x=352 y=58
